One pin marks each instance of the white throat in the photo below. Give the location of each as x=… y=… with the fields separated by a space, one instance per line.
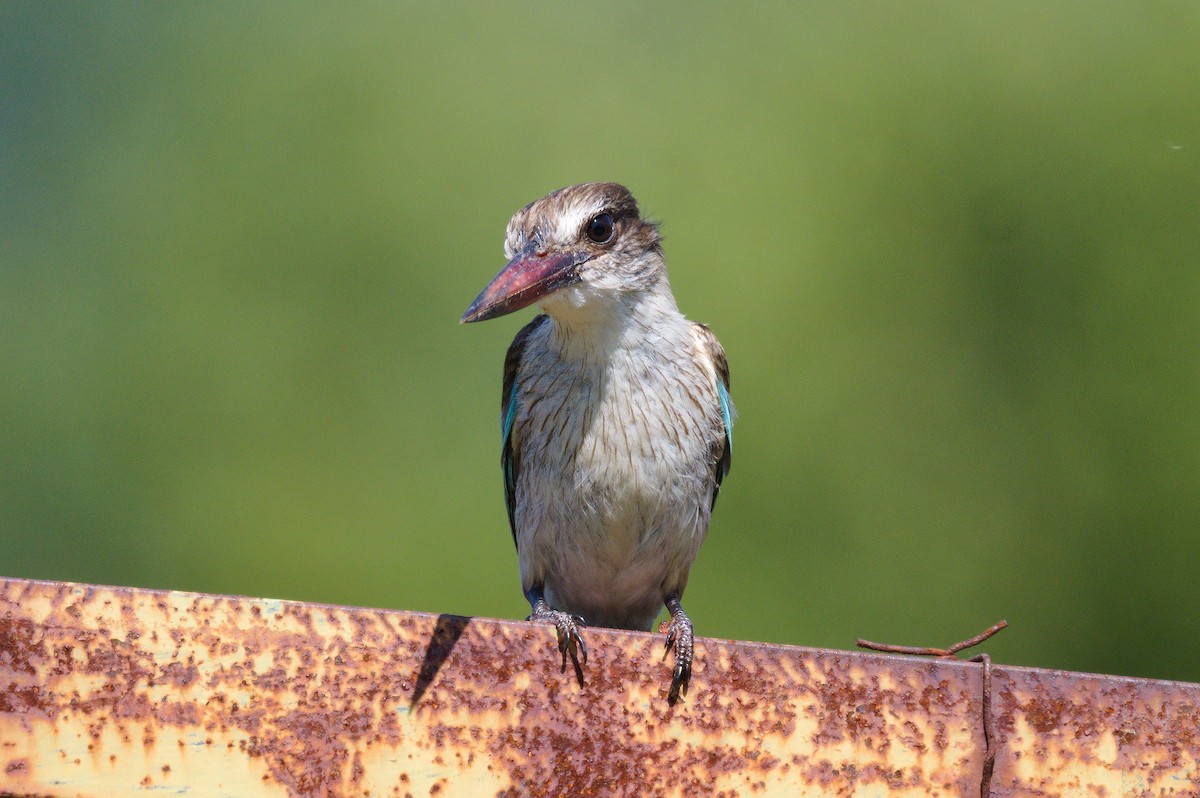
x=591 y=322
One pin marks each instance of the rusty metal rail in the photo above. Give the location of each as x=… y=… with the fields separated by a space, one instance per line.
x=114 y=691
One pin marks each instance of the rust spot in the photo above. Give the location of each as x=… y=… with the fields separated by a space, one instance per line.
x=1045 y=714
x=20 y=646
x=178 y=674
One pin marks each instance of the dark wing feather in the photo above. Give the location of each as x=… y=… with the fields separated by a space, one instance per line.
x=723 y=452
x=510 y=458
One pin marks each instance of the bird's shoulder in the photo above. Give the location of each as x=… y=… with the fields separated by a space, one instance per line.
x=510 y=459
x=512 y=360
x=711 y=351
x=712 y=355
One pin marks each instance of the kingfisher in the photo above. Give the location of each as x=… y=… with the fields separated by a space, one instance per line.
x=615 y=418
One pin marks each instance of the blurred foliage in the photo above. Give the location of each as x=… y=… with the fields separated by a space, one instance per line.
x=950 y=250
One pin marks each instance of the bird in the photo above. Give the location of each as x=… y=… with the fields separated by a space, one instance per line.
x=616 y=421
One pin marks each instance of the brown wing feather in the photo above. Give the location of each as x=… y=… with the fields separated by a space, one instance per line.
x=723 y=450
x=510 y=458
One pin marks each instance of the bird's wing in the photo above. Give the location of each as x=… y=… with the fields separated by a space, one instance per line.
x=510 y=456
x=713 y=356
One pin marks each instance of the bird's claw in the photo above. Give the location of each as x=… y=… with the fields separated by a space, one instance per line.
x=681 y=638
x=570 y=641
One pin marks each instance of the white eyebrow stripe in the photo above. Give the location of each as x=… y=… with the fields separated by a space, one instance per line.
x=570 y=221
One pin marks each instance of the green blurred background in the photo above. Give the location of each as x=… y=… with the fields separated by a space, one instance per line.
x=950 y=249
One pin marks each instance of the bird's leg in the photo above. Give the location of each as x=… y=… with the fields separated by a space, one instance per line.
x=570 y=642
x=681 y=638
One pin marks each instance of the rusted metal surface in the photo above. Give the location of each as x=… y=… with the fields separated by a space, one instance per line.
x=110 y=691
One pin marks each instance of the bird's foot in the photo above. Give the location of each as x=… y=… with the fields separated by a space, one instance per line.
x=681 y=638
x=570 y=641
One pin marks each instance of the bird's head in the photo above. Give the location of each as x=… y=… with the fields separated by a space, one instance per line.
x=578 y=247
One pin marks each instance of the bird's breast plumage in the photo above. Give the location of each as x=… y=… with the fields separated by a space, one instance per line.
x=616 y=440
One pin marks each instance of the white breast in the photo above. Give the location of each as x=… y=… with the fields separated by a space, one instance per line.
x=616 y=471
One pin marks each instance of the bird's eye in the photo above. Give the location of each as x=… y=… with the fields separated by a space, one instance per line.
x=600 y=229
